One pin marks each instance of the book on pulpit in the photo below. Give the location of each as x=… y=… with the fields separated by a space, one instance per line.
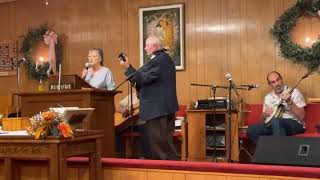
x=76 y=117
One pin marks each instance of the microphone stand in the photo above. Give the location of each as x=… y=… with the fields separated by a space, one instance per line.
x=18 y=88
x=229 y=120
x=130 y=119
x=125 y=80
x=131 y=116
x=229 y=109
x=214 y=89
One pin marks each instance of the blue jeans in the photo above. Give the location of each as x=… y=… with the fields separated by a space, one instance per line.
x=276 y=127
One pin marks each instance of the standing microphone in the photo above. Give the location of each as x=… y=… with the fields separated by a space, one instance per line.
x=250 y=86
x=232 y=84
x=20 y=61
x=229 y=78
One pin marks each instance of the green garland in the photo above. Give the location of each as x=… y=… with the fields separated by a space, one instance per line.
x=309 y=56
x=33 y=37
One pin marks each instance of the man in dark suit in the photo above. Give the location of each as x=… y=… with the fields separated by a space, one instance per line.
x=156 y=83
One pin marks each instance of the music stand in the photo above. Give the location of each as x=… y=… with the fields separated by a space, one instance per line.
x=131 y=103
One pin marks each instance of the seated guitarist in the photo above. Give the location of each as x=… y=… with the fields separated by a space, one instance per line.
x=286 y=123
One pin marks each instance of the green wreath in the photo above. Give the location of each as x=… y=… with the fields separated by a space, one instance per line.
x=33 y=37
x=309 y=56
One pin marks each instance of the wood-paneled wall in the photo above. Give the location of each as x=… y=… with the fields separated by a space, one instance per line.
x=221 y=36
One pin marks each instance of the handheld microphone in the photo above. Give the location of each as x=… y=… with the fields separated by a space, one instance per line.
x=122 y=56
x=87 y=65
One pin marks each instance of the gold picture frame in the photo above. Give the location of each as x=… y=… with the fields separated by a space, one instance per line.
x=167 y=23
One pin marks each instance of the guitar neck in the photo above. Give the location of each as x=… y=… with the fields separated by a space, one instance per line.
x=303 y=77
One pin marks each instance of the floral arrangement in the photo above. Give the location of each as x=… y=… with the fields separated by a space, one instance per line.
x=49 y=123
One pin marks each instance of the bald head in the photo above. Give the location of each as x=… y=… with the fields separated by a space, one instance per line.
x=275 y=81
x=154 y=40
x=272 y=74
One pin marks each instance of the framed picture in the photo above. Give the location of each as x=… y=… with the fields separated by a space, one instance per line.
x=165 y=22
x=8 y=58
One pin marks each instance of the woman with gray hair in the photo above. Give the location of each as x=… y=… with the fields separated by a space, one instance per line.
x=95 y=73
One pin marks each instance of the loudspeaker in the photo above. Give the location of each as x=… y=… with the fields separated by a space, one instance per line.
x=288 y=150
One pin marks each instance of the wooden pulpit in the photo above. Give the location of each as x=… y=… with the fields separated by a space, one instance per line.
x=67 y=82
x=103 y=102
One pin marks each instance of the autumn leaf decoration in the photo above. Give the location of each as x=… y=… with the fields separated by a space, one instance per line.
x=49 y=123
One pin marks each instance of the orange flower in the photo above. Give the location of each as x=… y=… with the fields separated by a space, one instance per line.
x=48 y=115
x=40 y=132
x=65 y=129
